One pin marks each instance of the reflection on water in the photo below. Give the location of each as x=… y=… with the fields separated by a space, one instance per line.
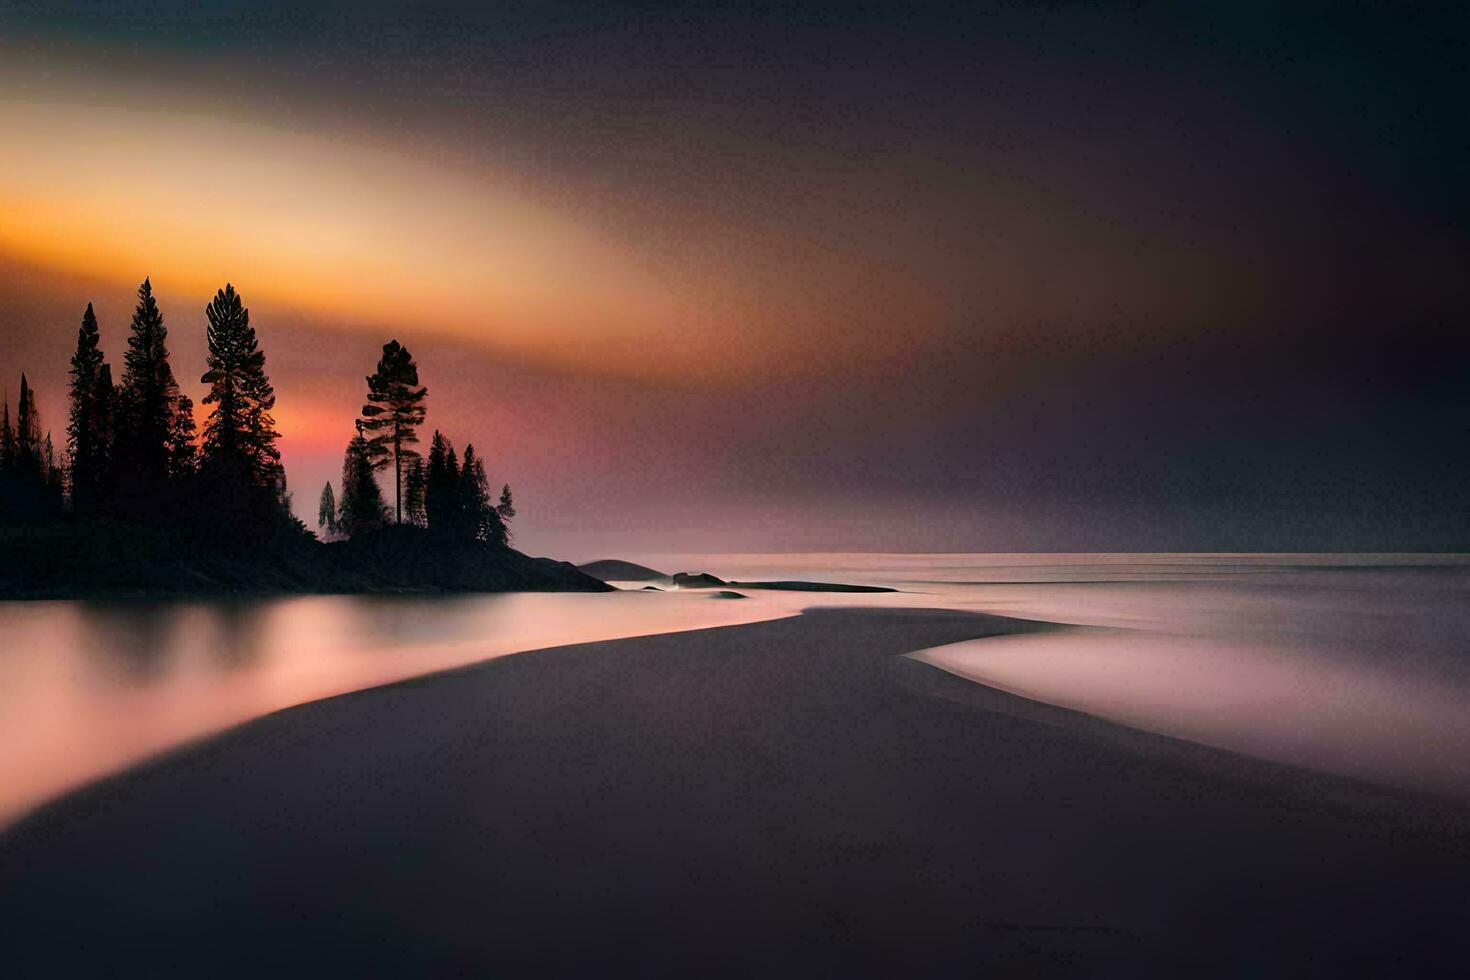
x=87 y=688
x=1356 y=664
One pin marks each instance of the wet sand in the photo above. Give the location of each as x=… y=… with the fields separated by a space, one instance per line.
x=791 y=797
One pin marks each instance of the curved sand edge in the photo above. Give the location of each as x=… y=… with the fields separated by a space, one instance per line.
x=778 y=797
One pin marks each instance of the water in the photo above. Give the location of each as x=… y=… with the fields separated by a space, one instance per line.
x=88 y=688
x=1354 y=664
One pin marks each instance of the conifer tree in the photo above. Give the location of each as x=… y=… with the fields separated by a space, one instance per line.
x=393 y=412
x=7 y=460
x=7 y=436
x=478 y=519
x=326 y=512
x=89 y=428
x=441 y=485
x=240 y=435
x=27 y=427
x=506 y=511
x=34 y=481
x=155 y=440
x=362 y=506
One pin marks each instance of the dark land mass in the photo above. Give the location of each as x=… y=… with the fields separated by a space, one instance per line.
x=99 y=559
x=786 y=798
x=696 y=580
x=616 y=570
x=811 y=587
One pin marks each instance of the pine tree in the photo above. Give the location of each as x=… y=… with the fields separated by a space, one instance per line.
x=27 y=428
x=478 y=520
x=89 y=428
x=7 y=436
x=34 y=480
x=155 y=440
x=240 y=434
x=415 y=489
x=441 y=485
x=362 y=506
x=326 y=512
x=7 y=461
x=394 y=411
x=506 y=511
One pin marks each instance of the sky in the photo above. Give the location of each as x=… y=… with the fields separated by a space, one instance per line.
x=773 y=277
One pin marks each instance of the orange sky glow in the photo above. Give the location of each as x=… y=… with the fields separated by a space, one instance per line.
x=362 y=236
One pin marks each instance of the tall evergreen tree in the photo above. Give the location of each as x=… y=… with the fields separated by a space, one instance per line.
x=326 y=512
x=240 y=434
x=153 y=441
x=7 y=436
x=27 y=427
x=362 y=507
x=89 y=428
x=9 y=504
x=506 y=511
x=441 y=484
x=478 y=519
x=393 y=412
x=34 y=481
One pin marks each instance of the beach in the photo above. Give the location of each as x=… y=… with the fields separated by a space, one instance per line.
x=792 y=796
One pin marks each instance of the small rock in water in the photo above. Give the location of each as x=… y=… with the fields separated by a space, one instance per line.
x=726 y=594
x=696 y=580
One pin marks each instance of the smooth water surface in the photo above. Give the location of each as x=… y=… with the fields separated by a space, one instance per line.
x=1353 y=664
x=87 y=688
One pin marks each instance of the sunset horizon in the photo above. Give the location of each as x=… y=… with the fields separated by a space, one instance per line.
x=730 y=489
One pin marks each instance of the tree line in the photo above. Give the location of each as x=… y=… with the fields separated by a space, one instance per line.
x=444 y=495
x=132 y=451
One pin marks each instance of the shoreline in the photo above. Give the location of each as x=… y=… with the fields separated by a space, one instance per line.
x=792 y=795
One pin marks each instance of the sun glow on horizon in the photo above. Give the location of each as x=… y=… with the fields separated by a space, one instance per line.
x=348 y=231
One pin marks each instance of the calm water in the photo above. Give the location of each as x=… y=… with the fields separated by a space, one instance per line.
x=1358 y=664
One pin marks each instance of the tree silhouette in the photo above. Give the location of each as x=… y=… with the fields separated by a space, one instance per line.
x=34 y=482
x=362 y=506
x=150 y=395
x=506 y=511
x=477 y=517
x=27 y=425
x=131 y=452
x=89 y=428
x=7 y=461
x=394 y=411
x=441 y=484
x=326 y=512
x=240 y=434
